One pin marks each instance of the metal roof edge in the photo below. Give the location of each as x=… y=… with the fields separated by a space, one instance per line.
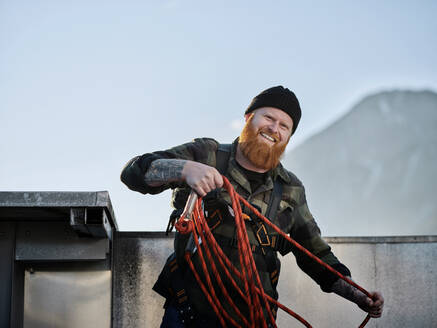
x=331 y=240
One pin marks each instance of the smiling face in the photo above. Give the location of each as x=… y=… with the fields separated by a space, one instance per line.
x=265 y=136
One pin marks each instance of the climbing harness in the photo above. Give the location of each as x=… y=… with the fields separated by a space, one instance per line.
x=244 y=279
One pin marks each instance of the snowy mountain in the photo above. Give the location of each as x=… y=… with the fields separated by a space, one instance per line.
x=374 y=171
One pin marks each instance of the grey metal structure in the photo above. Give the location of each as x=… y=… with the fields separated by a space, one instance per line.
x=55 y=259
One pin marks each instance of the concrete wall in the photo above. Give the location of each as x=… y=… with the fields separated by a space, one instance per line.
x=404 y=269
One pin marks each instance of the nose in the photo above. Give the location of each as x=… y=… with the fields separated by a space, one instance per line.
x=274 y=127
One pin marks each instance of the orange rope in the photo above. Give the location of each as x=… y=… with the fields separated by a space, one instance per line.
x=252 y=292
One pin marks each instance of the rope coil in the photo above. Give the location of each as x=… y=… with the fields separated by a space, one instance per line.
x=247 y=276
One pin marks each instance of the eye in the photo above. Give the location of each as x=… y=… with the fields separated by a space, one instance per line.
x=285 y=126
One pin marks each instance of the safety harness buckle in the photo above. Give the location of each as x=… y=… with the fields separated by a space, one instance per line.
x=262 y=236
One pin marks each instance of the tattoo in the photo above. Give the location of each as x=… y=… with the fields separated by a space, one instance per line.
x=163 y=171
x=342 y=288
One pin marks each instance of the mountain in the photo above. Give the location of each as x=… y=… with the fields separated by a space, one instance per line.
x=374 y=171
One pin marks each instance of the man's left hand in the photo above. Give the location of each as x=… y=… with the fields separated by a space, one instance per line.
x=374 y=305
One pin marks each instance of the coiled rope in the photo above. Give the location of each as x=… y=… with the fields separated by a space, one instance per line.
x=193 y=221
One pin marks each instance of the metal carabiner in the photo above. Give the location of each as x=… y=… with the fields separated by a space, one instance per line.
x=189 y=206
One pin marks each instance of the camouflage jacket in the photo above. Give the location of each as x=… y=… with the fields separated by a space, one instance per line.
x=293 y=215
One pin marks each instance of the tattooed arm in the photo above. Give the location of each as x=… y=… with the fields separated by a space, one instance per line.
x=163 y=171
x=202 y=178
x=372 y=305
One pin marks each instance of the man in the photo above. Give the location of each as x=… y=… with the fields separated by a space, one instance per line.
x=252 y=164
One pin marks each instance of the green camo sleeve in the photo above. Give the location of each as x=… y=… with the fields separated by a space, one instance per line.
x=306 y=232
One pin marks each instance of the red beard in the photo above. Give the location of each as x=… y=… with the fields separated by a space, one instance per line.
x=259 y=153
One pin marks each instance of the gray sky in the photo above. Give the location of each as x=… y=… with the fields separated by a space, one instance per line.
x=87 y=85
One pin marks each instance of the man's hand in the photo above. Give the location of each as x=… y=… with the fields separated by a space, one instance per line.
x=373 y=305
x=201 y=178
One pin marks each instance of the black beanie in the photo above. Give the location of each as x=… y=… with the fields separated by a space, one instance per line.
x=281 y=98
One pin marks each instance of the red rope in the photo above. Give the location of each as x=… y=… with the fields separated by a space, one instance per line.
x=245 y=280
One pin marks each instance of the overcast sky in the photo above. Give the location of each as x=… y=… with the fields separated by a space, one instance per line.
x=87 y=85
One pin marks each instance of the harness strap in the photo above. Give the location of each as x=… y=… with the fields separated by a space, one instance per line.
x=275 y=199
x=270 y=255
x=232 y=242
x=183 y=305
x=269 y=250
x=222 y=157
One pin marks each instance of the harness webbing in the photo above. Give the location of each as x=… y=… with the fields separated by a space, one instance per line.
x=222 y=157
x=246 y=275
x=274 y=200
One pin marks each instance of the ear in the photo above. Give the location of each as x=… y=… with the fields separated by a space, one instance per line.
x=246 y=116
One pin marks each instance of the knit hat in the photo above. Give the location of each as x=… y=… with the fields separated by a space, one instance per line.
x=281 y=98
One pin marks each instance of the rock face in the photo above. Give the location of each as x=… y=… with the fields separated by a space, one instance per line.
x=374 y=171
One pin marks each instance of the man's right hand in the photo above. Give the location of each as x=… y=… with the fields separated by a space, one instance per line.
x=201 y=178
